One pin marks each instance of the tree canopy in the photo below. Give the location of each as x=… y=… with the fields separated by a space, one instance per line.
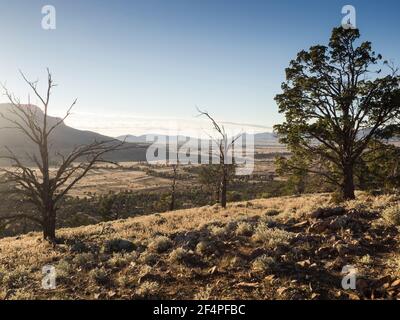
x=336 y=100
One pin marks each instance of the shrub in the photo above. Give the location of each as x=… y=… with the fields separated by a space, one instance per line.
x=217 y=231
x=79 y=247
x=367 y=259
x=272 y=213
x=63 y=269
x=118 y=260
x=234 y=196
x=149 y=258
x=20 y=294
x=181 y=256
x=147 y=289
x=271 y=238
x=16 y=278
x=160 y=244
x=391 y=215
x=204 y=293
x=263 y=263
x=118 y=245
x=84 y=260
x=244 y=229
x=336 y=198
x=99 y=275
x=269 y=222
x=232 y=262
x=125 y=281
x=208 y=247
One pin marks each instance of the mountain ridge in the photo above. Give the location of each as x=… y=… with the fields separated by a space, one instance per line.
x=264 y=138
x=62 y=140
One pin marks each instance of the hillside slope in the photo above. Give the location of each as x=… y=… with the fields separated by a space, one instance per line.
x=281 y=248
x=62 y=140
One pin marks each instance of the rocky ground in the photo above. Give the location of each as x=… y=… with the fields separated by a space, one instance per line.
x=282 y=248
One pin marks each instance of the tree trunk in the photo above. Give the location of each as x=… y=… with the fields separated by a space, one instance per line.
x=173 y=188
x=348 y=183
x=223 y=187
x=172 y=203
x=217 y=194
x=49 y=226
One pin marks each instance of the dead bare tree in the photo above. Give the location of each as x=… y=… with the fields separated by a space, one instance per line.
x=45 y=187
x=225 y=145
x=174 y=165
x=173 y=187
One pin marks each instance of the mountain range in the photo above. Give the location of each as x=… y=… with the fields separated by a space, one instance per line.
x=260 y=139
x=65 y=138
x=62 y=140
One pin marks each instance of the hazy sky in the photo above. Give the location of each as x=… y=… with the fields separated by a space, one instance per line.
x=138 y=66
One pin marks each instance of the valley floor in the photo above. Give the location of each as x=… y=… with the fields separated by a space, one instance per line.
x=279 y=248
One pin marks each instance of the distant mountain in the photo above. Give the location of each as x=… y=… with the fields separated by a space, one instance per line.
x=148 y=138
x=265 y=138
x=62 y=140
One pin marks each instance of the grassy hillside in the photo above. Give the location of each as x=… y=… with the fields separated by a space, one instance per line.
x=280 y=248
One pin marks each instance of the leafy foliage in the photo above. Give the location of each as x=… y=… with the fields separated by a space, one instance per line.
x=335 y=104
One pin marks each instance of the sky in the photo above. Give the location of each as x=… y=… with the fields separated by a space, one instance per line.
x=143 y=66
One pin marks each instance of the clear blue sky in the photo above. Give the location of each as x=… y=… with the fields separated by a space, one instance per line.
x=160 y=59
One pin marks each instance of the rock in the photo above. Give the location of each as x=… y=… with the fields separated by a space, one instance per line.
x=314 y=296
x=386 y=285
x=319 y=227
x=281 y=290
x=353 y=296
x=99 y=296
x=118 y=245
x=304 y=264
x=395 y=283
x=300 y=224
x=247 y=285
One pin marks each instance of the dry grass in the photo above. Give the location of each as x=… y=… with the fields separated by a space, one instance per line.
x=196 y=253
x=160 y=244
x=263 y=263
x=270 y=238
x=392 y=215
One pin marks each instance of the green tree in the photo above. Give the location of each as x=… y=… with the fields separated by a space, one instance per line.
x=336 y=100
x=378 y=169
x=295 y=169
